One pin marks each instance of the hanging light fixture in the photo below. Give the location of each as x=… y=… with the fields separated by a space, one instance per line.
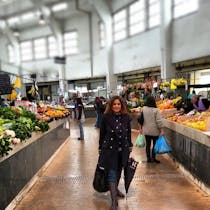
x=16 y=33
x=41 y=19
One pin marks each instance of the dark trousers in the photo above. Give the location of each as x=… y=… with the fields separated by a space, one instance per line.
x=149 y=140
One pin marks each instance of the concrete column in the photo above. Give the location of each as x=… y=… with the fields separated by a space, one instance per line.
x=17 y=62
x=105 y=14
x=61 y=67
x=62 y=81
x=167 y=69
x=20 y=70
x=59 y=39
x=110 y=77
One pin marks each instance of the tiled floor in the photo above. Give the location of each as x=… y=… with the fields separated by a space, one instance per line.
x=67 y=183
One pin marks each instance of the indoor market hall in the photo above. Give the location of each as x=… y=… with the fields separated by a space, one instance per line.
x=65 y=181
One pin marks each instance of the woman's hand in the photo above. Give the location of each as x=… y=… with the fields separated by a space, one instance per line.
x=140 y=130
x=161 y=132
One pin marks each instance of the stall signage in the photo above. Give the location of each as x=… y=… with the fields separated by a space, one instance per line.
x=5 y=86
x=60 y=60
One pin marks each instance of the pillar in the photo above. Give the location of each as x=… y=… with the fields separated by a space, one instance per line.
x=167 y=68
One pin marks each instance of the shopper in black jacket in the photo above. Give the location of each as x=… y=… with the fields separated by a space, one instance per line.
x=115 y=144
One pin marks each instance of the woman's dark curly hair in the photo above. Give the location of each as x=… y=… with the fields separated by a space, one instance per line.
x=150 y=102
x=110 y=103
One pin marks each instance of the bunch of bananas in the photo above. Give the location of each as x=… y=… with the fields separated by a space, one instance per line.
x=32 y=91
x=15 y=90
x=164 y=84
x=17 y=83
x=182 y=81
x=177 y=99
x=179 y=82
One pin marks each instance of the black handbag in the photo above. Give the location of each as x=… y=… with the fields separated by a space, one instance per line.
x=100 y=183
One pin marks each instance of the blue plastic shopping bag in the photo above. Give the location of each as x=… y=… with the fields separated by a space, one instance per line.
x=162 y=146
x=140 y=141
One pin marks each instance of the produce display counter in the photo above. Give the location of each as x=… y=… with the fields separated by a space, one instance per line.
x=191 y=148
x=26 y=158
x=88 y=110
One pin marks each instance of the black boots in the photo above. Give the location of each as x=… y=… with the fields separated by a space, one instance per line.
x=153 y=159
x=120 y=194
x=113 y=192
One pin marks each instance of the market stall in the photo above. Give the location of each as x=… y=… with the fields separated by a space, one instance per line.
x=191 y=148
x=189 y=138
x=26 y=159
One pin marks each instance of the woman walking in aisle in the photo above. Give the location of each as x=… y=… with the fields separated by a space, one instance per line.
x=151 y=126
x=115 y=144
x=80 y=117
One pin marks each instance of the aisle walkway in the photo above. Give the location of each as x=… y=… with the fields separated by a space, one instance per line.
x=67 y=183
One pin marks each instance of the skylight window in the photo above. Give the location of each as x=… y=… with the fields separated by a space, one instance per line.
x=184 y=7
x=137 y=17
x=40 y=48
x=52 y=47
x=120 y=24
x=27 y=16
x=59 y=7
x=154 y=13
x=102 y=34
x=71 y=43
x=26 y=51
x=11 y=54
x=13 y=20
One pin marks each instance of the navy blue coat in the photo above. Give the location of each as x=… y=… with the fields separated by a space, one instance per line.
x=115 y=133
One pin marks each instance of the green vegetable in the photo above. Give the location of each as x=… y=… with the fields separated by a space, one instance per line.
x=44 y=126
x=5 y=145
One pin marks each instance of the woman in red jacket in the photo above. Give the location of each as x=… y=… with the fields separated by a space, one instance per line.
x=115 y=144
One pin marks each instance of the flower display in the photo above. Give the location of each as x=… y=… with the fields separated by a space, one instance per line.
x=9 y=133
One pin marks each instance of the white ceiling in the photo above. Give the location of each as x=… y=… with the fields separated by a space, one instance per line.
x=16 y=8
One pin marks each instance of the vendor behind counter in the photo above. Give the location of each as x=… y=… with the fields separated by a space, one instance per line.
x=198 y=103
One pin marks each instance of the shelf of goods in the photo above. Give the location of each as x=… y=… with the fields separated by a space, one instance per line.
x=191 y=148
x=27 y=158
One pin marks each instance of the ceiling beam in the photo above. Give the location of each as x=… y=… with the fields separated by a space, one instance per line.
x=54 y=25
x=9 y=34
x=102 y=9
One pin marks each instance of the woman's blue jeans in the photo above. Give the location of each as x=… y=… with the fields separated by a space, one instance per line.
x=112 y=176
x=81 y=130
